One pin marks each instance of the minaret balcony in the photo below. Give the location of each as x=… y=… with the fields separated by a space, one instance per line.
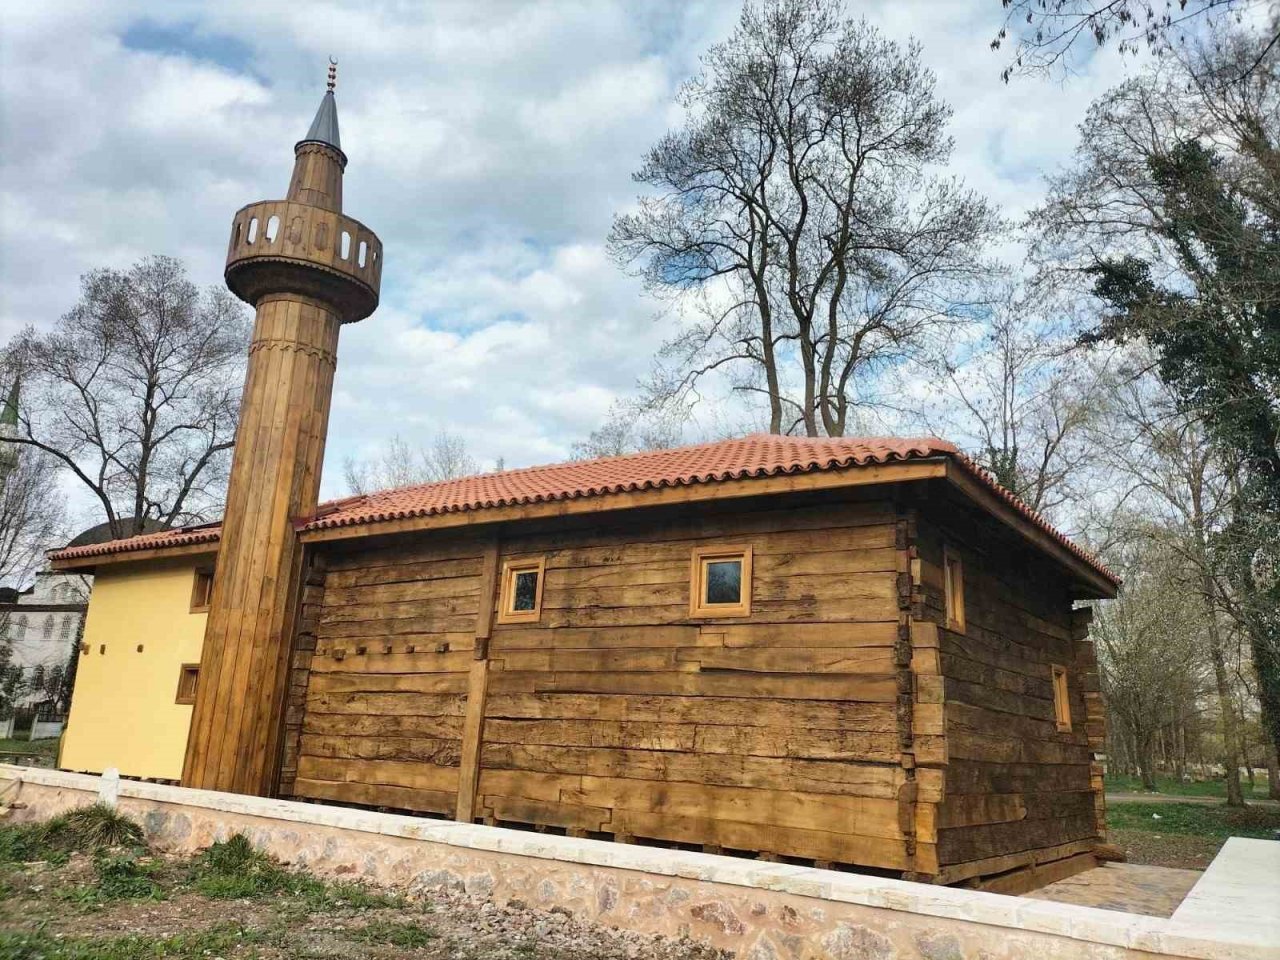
x=278 y=246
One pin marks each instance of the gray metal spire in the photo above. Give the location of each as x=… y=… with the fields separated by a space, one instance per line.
x=324 y=128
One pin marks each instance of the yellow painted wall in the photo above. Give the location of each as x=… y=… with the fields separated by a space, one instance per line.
x=123 y=713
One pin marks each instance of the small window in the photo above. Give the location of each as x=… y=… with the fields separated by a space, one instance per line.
x=188 y=674
x=64 y=631
x=953 y=587
x=521 y=596
x=720 y=582
x=1061 y=699
x=47 y=630
x=201 y=590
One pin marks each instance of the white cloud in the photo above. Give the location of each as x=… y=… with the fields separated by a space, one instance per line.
x=490 y=145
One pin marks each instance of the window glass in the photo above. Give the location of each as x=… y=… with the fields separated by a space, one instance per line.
x=525 y=594
x=724 y=581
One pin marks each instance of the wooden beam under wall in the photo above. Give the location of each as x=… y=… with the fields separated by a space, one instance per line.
x=477 y=689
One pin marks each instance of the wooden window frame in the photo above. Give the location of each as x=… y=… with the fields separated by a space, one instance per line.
x=507 y=595
x=196 y=577
x=698 y=607
x=953 y=590
x=180 y=697
x=1061 y=698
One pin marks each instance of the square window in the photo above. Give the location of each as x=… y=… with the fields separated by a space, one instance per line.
x=720 y=582
x=1061 y=699
x=520 y=600
x=201 y=589
x=953 y=588
x=188 y=674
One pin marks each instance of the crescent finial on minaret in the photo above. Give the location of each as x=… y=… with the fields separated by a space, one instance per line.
x=333 y=74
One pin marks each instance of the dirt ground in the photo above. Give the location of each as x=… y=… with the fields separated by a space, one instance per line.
x=66 y=911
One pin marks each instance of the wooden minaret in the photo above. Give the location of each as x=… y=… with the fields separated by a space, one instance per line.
x=307 y=269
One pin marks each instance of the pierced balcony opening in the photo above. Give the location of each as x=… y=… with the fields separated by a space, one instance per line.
x=363 y=252
x=273 y=229
x=252 y=235
x=344 y=248
x=235 y=234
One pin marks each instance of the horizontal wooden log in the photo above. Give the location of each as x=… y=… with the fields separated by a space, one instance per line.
x=376 y=795
x=417 y=776
x=734 y=711
x=439 y=751
x=767 y=773
x=870 y=688
x=339 y=709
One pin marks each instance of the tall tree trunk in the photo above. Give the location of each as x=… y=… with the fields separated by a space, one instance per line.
x=1230 y=734
x=1273 y=772
x=1145 y=755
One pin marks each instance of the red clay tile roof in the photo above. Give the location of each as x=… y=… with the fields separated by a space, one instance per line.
x=759 y=455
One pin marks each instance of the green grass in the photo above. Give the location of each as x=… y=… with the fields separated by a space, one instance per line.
x=233 y=870
x=220 y=941
x=1177 y=788
x=392 y=933
x=1194 y=819
x=40 y=748
x=83 y=830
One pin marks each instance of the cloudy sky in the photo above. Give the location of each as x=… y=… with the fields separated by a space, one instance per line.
x=490 y=144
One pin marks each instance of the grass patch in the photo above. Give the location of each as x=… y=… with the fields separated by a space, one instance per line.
x=233 y=870
x=1173 y=787
x=389 y=932
x=84 y=830
x=219 y=941
x=1194 y=819
x=29 y=748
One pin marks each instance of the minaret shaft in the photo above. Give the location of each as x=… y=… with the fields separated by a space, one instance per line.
x=275 y=477
x=307 y=269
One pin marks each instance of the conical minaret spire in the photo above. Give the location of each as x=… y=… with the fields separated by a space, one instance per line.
x=318 y=169
x=307 y=269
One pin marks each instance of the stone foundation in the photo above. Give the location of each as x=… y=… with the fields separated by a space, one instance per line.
x=760 y=910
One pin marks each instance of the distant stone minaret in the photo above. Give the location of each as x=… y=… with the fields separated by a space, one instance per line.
x=307 y=269
x=9 y=430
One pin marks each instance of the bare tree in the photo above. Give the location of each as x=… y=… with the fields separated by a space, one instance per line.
x=136 y=392
x=1046 y=31
x=32 y=510
x=1023 y=399
x=1148 y=656
x=632 y=427
x=1181 y=488
x=796 y=220
x=402 y=465
x=1169 y=224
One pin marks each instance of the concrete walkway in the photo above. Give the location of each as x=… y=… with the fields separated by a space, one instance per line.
x=1239 y=894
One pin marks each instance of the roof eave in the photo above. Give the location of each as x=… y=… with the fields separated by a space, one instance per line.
x=1096 y=584
x=853 y=476
x=90 y=562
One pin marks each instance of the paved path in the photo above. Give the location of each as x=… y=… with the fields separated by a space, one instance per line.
x=1174 y=798
x=1128 y=887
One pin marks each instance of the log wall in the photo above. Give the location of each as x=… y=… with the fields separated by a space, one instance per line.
x=798 y=731
x=1019 y=793
x=842 y=722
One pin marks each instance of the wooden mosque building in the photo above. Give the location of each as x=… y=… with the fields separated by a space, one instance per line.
x=855 y=652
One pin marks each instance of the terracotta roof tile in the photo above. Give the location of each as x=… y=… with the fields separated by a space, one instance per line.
x=759 y=455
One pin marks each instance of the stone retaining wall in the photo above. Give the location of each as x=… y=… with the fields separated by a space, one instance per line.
x=764 y=911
